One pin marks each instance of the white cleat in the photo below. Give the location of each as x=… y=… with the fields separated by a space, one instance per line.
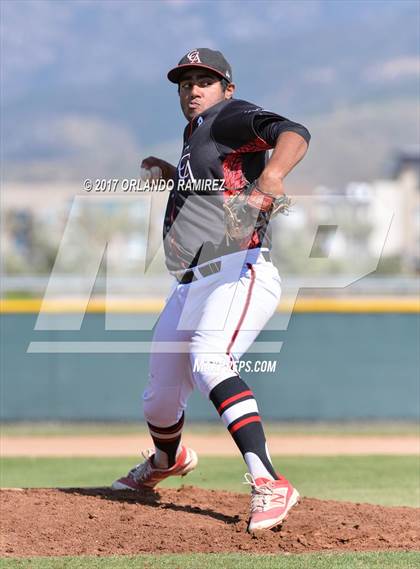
x=271 y=502
x=146 y=475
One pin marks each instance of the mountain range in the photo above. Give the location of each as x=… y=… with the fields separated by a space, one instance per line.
x=84 y=89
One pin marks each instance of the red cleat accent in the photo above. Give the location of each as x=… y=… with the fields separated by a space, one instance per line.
x=145 y=475
x=271 y=502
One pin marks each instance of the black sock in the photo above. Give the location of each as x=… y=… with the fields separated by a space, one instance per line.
x=238 y=409
x=167 y=439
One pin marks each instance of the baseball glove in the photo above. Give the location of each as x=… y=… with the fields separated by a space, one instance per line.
x=250 y=209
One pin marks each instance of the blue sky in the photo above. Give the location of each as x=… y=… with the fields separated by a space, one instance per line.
x=77 y=72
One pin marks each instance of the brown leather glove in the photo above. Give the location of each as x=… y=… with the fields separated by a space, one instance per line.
x=250 y=208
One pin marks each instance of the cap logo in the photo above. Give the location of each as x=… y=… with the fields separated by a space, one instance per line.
x=194 y=56
x=227 y=74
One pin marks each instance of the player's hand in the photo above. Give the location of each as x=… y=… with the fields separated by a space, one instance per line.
x=152 y=168
x=271 y=183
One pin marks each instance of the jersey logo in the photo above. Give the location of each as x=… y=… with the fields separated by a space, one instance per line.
x=184 y=168
x=194 y=56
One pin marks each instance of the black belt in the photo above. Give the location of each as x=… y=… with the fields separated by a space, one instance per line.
x=266 y=255
x=210 y=269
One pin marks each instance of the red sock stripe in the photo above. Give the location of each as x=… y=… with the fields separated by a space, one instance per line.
x=247 y=301
x=237 y=426
x=230 y=400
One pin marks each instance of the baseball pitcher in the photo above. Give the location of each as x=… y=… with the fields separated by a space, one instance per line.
x=217 y=241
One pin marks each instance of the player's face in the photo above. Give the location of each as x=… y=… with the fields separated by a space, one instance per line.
x=200 y=90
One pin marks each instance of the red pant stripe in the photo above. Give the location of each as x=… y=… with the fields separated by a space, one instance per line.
x=245 y=309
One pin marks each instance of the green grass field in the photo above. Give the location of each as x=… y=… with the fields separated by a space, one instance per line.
x=372 y=428
x=226 y=561
x=386 y=480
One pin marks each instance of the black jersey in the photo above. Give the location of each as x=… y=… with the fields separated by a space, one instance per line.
x=224 y=149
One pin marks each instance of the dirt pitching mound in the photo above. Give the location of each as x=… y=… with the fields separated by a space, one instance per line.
x=99 y=521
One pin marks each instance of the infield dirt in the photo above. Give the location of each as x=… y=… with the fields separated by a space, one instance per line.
x=98 y=521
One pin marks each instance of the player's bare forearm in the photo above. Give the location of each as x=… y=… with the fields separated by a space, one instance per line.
x=167 y=169
x=289 y=151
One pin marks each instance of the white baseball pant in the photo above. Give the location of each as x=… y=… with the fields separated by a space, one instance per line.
x=209 y=324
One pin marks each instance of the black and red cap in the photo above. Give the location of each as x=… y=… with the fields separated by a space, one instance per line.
x=202 y=58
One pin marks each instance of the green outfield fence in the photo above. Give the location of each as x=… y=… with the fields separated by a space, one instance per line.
x=339 y=361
